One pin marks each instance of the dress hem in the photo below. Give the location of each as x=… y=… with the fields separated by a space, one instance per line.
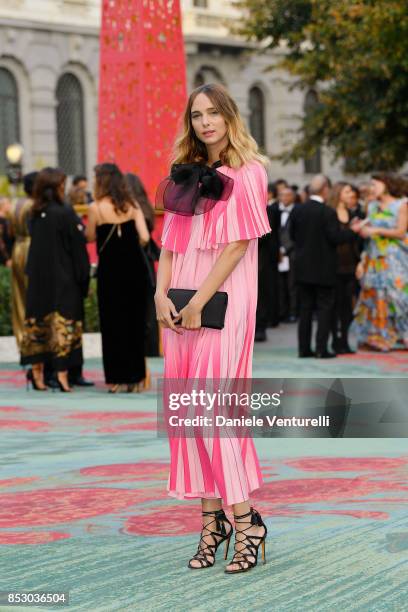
x=208 y=495
x=59 y=364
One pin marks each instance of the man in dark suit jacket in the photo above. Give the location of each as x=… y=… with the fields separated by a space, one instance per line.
x=316 y=232
x=267 y=312
x=286 y=267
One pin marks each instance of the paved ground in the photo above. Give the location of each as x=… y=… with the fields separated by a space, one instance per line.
x=83 y=506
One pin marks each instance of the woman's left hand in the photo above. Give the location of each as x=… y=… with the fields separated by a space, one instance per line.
x=190 y=316
x=367 y=231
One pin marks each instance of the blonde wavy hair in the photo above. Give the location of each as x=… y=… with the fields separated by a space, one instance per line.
x=241 y=148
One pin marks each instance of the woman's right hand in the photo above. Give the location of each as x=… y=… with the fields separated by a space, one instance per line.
x=164 y=309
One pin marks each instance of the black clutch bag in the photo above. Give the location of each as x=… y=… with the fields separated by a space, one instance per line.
x=213 y=313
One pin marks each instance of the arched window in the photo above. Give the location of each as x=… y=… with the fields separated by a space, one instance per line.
x=70 y=125
x=207 y=74
x=199 y=79
x=257 y=115
x=9 y=115
x=313 y=164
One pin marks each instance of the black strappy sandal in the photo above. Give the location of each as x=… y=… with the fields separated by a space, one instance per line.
x=248 y=560
x=206 y=552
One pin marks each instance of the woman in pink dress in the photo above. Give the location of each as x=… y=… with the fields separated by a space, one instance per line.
x=213 y=247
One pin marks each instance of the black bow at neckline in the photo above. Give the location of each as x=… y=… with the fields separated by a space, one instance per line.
x=194 y=188
x=207 y=178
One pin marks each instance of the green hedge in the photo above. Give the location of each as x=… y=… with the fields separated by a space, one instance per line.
x=91 y=305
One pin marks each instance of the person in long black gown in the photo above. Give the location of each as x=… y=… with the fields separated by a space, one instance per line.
x=152 y=252
x=117 y=223
x=58 y=279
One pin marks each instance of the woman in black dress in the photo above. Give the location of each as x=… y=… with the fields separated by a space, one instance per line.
x=152 y=252
x=117 y=223
x=58 y=278
x=348 y=256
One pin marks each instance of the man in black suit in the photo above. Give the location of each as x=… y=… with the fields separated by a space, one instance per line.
x=286 y=268
x=267 y=311
x=316 y=232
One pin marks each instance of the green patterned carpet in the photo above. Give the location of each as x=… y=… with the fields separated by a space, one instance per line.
x=83 y=506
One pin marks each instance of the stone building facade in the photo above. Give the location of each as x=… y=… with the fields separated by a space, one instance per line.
x=49 y=63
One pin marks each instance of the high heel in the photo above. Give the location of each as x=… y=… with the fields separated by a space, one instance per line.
x=205 y=554
x=133 y=388
x=62 y=388
x=114 y=389
x=248 y=560
x=143 y=385
x=30 y=380
x=227 y=543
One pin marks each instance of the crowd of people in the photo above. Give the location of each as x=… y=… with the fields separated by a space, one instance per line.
x=337 y=253
x=44 y=243
x=340 y=253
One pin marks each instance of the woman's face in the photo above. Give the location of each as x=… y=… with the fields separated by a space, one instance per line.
x=378 y=188
x=209 y=125
x=348 y=196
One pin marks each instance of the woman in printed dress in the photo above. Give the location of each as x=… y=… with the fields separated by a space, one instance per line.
x=19 y=218
x=381 y=313
x=58 y=281
x=214 y=248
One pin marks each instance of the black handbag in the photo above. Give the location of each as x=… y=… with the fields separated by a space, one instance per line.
x=213 y=313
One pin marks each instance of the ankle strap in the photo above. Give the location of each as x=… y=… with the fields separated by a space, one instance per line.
x=256 y=518
x=213 y=513
x=243 y=515
x=219 y=518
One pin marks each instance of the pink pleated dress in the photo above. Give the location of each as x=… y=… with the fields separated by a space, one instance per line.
x=217 y=467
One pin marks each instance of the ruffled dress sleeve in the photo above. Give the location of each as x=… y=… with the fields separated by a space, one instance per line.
x=176 y=232
x=243 y=216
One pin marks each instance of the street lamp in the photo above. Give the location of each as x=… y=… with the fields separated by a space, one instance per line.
x=14 y=154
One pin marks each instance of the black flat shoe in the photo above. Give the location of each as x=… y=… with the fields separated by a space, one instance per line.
x=308 y=354
x=260 y=335
x=325 y=355
x=345 y=350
